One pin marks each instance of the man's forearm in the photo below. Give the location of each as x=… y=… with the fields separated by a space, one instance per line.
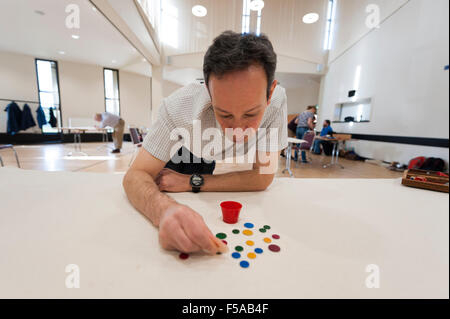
x=246 y=181
x=145 y=196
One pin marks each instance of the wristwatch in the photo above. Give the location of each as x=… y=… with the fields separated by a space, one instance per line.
x=196 y=182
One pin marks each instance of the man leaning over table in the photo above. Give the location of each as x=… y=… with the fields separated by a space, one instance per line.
x=240 y=93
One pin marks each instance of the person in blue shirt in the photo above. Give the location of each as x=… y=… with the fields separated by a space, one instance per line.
x=326 y=130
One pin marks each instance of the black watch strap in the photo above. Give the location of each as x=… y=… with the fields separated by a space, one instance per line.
x=195 y=189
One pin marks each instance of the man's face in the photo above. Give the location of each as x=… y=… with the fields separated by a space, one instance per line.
x=325 y=124
x=239 y=99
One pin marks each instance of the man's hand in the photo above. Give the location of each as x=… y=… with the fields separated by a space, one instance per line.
x=184 y=230
x=173 y=182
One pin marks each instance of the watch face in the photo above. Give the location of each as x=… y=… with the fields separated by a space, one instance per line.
x=196 y=180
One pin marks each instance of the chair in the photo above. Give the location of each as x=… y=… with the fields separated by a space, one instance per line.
x=309 y=138
x=135 y=138
x=4 y=147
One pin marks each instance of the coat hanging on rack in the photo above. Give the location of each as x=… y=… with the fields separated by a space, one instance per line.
x=14 y=118
x=40 y=116
x=27 y=119
x=53 y=122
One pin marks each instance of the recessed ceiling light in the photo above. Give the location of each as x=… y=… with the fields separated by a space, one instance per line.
x=256 y=5
x=75 y=36
x=62 y=52
x=94 y=8
x=144 y=60
x=41 y=13
x=114 y=61
x=199 y=11
x=310 y=18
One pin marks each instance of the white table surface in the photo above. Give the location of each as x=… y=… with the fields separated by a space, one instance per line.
x=295 y=140
x=330 y=231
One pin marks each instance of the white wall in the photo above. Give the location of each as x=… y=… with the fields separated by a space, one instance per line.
x=300 y=98
x=81 y=89
x=402 y=70
x=17 y=81
x=135 y=99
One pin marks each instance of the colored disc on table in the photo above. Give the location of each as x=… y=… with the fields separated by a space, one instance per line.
x=249 y=242
x=236 y=231
x=249 y=225
x=239 y=248
x=184 y=256
x=258 y=250
x=274 y=248
x=236 y=255
x=275 y=236
x=247 y=232
x=225 y=242
x=244 y=264
x=268 y=240
x=221 y=236
x=251 y=255
x=267 y=227
x=262 y=230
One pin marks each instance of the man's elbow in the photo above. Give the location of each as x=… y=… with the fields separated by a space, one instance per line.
x=265 y=182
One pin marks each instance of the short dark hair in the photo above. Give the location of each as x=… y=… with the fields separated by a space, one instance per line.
x=233 y=51
x=328 y=122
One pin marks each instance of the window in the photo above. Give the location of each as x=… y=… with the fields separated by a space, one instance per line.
x=112 y=96
x=246 y=16
x=151 y=9
x=48 y=88
x=329 y=31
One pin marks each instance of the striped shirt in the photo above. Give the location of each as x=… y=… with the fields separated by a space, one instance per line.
x=303 y=119
x=192 y=104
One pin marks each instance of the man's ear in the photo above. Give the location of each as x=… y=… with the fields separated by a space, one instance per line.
x=272 y=88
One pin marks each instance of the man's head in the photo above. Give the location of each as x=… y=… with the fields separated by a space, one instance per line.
x=326 y=123
x=98 y=117
x=239 y=71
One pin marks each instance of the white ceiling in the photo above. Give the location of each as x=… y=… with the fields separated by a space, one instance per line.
x=281 y=21
x=23 y=31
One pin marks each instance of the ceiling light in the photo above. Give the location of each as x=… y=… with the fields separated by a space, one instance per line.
x=199 y=11
x=41 y=13
x=310 y=18
x=62 y=52
x=114 y=61
x=75 y=36
x=94 y=8
x=256 y=5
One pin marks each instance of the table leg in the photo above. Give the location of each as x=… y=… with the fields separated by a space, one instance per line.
x=288 y=160
x=17 y=158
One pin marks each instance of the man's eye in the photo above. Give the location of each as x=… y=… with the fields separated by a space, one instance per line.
x=250 y=115
x=226 y=116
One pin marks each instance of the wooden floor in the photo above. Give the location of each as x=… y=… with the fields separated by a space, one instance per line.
x=58 y=157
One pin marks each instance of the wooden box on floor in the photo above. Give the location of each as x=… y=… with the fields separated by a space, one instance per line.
x=425 y=179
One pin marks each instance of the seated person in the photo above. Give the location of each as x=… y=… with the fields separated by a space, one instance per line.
x=326 y=130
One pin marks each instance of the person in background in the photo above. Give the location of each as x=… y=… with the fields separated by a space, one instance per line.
x=111 y=120
x=326 y=130
x=305 y=122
